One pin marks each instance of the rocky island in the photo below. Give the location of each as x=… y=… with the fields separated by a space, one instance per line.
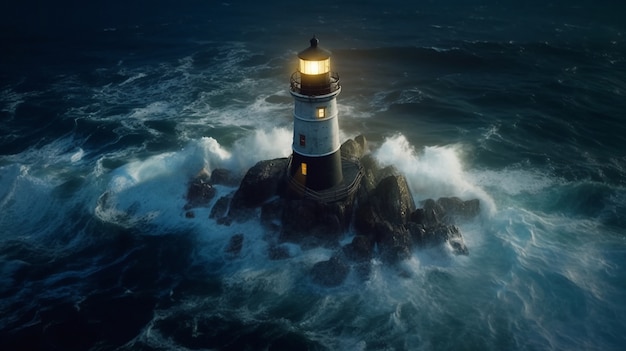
x=380 y=212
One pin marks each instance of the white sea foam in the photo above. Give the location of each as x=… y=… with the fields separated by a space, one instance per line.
x=437 y=171
x=513 y=180
x=154 y=110
x=262 y=145
x=153 y=190
x=32 y=183
x=133 y=78
x=348 y=111
x=77 y=156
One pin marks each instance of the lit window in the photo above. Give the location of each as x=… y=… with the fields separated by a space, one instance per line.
x=303 y=168
x=321 y=112
x=302 y=140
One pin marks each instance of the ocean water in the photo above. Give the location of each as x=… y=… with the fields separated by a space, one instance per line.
x=108 y=109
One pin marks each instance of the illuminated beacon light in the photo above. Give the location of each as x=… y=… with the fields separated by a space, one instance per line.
x=314 y=67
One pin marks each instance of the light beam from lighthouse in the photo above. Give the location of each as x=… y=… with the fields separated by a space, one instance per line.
x=316 y=158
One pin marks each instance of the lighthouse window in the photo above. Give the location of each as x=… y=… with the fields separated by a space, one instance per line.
x=302 y=140
x=303 y=168
x=321 y=112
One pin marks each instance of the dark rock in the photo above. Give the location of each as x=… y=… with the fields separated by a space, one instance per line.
x=363 y=270
x=433 y=213
x=360 y=249
x=220 y=208
x=224 y=221
x=458 y=246
x=394 y=242
x=436 y=235
x=224 y=177
x=278 y=252
x=393 y=199
x=330 y=273
x=263 y=181
x=453 y=207
x=200 y=191
x=235 y=244
x=450 y=233
x=271 y=213
x=190 y=214
x=299 y=217
x=386 y=215
x=387 y=171
x=390 y=201
x=305 y=220
x=366 y=217
x=360 y=139
x=430 y=231
x=373 y=173
x=455 y=239
x=418 y=233
x=350 y=149
x=369 y=179
x=471 y=208
x=446 y=210
x=418 y=216
x=354 y=148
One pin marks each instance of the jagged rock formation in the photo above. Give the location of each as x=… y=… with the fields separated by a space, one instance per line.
x=382 y=212
x=261 y=182
x=331 y=272
x=235 y=244
x=200 y=191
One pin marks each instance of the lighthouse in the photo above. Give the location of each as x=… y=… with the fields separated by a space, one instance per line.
x=316 y=159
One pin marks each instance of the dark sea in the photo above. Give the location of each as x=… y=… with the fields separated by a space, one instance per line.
x=109 y=108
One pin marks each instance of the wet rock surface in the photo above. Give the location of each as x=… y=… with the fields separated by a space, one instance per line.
x=263 y=181
x=304 y=220
x=200 y=191
x=331 y=272
x=235 y=244
x=223 y=176
x=360 y=249
x=220 y=208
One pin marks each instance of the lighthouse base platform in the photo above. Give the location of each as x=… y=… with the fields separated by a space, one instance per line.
x=352 y=174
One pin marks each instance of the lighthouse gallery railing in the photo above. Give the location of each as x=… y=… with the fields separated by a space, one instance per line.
x=332 y=194
x=296 y=85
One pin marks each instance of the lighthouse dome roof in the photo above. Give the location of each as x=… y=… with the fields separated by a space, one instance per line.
x=314 y=52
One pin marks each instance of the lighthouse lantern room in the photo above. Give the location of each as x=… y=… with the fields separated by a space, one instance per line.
x=316 y=159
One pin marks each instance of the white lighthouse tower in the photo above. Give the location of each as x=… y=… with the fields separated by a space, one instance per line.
x=316 y=159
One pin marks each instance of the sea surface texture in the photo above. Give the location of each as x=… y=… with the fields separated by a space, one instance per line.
x=109 y=108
